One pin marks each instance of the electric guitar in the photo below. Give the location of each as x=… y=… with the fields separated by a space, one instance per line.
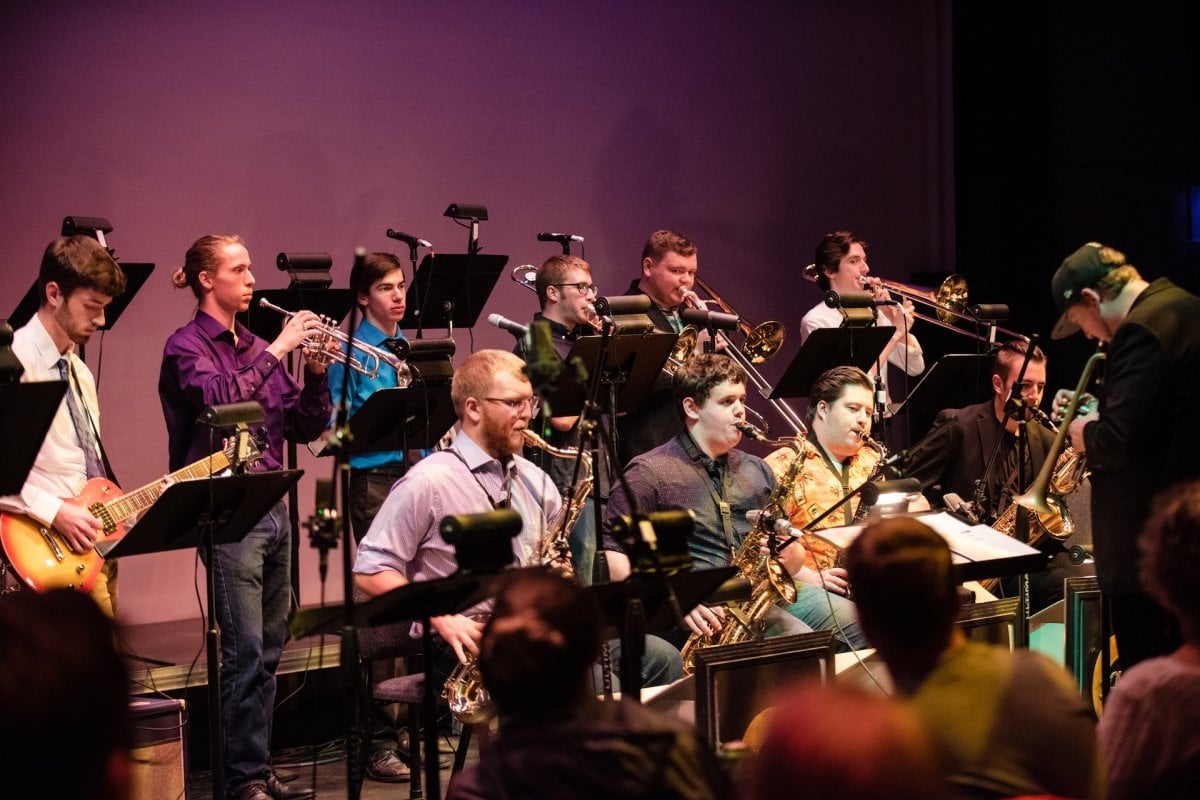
x=42 y=558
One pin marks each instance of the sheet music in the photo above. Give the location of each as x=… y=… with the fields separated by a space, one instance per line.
x=968 y=543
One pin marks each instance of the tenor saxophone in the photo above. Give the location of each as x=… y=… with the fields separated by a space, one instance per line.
x=769 y=581
x=465 y=694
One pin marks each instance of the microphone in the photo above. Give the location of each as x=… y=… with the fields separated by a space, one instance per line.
x=542 y=364
x=561 y=238
x=504 y=323
x=960 y=507
x=411 y=241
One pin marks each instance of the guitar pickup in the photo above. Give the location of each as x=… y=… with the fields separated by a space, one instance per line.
x=51 y=542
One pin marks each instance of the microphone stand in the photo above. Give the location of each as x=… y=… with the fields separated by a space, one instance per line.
x=633 y=631
x=1015 y=409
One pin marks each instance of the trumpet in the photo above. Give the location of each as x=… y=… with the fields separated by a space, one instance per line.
x=366 y=363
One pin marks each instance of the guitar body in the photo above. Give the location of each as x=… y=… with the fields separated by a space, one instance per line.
x=42 y=558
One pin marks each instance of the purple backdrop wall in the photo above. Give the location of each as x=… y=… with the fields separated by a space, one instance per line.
x=752 y=127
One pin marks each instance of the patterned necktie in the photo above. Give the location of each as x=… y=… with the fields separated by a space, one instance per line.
x=83 y=429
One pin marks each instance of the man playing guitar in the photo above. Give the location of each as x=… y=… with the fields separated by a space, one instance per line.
x=76 y=282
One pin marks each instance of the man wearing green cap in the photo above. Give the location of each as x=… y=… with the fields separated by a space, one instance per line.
x=1145 y=434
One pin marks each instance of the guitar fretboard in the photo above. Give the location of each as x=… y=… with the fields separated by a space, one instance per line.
x=127 y=505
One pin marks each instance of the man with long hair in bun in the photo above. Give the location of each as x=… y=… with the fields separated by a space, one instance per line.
x=214 y=360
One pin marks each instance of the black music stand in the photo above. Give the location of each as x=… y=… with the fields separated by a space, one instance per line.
x=402 y=419
x=26 y=413
x=631 y=365
x=203 y=513
x=956 y=380
x=826 y=348
x=451 y=291
x=977 y=551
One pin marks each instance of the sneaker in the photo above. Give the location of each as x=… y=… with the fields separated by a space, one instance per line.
x=386 y=767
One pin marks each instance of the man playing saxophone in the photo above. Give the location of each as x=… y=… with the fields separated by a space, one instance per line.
x=835 y=459
x=703 y=470
x=972 y=453
x=480 y=471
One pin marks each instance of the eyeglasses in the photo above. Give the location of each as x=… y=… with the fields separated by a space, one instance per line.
x=584 y=288
x=518 y=404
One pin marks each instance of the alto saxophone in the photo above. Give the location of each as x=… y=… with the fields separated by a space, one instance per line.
x=468 y=698
x=769 y=581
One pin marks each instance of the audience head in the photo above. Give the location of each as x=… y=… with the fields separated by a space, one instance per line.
x=538 y=646
x=1170 y=546
x=833 y=741
x=64 y=699
x=904 y=588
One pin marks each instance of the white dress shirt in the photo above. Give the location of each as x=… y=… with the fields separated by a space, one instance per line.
x=60 y=468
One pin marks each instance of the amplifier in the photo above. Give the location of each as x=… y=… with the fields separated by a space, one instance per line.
x=159 y=748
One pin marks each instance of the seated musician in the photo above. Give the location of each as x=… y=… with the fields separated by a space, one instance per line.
x=702 y=470
x=972 y=452
x=76 y=282
x=834 y=459
x=481 y=470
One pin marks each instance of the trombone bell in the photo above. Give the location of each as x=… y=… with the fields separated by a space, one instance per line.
x=764 y=341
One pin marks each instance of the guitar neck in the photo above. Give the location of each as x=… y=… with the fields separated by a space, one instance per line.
x=138 y=500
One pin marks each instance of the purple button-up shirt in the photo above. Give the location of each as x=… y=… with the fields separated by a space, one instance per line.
x=202 y=367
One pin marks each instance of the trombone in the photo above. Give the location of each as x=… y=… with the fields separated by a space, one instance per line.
x=366 y=363
x=762 y=342
x=948 y=302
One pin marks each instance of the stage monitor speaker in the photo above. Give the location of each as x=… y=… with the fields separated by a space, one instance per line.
x=993 y=622
x=159 y=748
x=736 y=682
x=1084 y=637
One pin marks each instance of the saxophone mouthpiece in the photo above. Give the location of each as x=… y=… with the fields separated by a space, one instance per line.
x=751 y=431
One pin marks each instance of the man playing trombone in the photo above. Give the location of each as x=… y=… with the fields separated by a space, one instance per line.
x=1144 y=435
x=669 y=262
x=840 y=265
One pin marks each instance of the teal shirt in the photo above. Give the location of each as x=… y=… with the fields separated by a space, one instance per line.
x=360 y=389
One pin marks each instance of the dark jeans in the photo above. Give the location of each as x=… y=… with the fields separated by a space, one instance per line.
x=253 y=584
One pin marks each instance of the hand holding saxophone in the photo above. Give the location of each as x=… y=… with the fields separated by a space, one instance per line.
x=704 y=620
x=461 y=633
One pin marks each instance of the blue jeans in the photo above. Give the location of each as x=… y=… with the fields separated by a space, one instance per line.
x=253 y=585
x=662 y=663
x=823 y=611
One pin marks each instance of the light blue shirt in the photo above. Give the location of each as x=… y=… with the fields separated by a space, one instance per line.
x=361 y=388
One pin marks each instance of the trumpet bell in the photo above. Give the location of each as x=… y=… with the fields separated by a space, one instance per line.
x=764 y=341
